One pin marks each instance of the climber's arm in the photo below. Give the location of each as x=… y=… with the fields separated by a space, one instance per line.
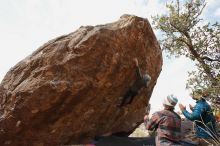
x=138 y=71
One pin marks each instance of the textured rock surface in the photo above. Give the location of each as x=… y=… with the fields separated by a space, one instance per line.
x=66 y=91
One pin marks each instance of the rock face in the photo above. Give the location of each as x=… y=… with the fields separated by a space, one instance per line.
x=66 y=91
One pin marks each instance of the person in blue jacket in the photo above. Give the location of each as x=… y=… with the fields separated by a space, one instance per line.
x=203 y=117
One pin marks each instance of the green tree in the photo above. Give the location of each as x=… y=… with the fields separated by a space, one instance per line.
x=185 y=33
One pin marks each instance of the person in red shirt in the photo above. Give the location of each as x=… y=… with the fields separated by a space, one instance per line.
x=167 y=123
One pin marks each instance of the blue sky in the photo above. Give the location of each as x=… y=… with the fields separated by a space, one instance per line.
x=25 y=25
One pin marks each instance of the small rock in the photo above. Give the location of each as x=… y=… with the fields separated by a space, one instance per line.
x=8 y=142
x=53 y=131
x=34 y=111
x=18 y=123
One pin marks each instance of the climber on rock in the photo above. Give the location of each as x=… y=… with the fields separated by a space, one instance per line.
x=141 y=81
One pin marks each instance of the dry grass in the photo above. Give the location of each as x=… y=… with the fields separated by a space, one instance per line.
x=213 y=134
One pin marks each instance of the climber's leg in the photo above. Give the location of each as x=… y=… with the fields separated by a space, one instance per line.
x=127 y=98
x=124 y=98
x=131 y=97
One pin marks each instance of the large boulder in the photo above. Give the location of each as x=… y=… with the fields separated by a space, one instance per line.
x=66 y=92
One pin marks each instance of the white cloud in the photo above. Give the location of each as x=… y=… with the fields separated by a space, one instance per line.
x=211 y=9
x=217 y=12
x=172 y=80
x=212 y=3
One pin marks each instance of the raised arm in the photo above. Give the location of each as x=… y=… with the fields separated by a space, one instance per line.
x=138 y=71
x=195 y=115
x=191 y=107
